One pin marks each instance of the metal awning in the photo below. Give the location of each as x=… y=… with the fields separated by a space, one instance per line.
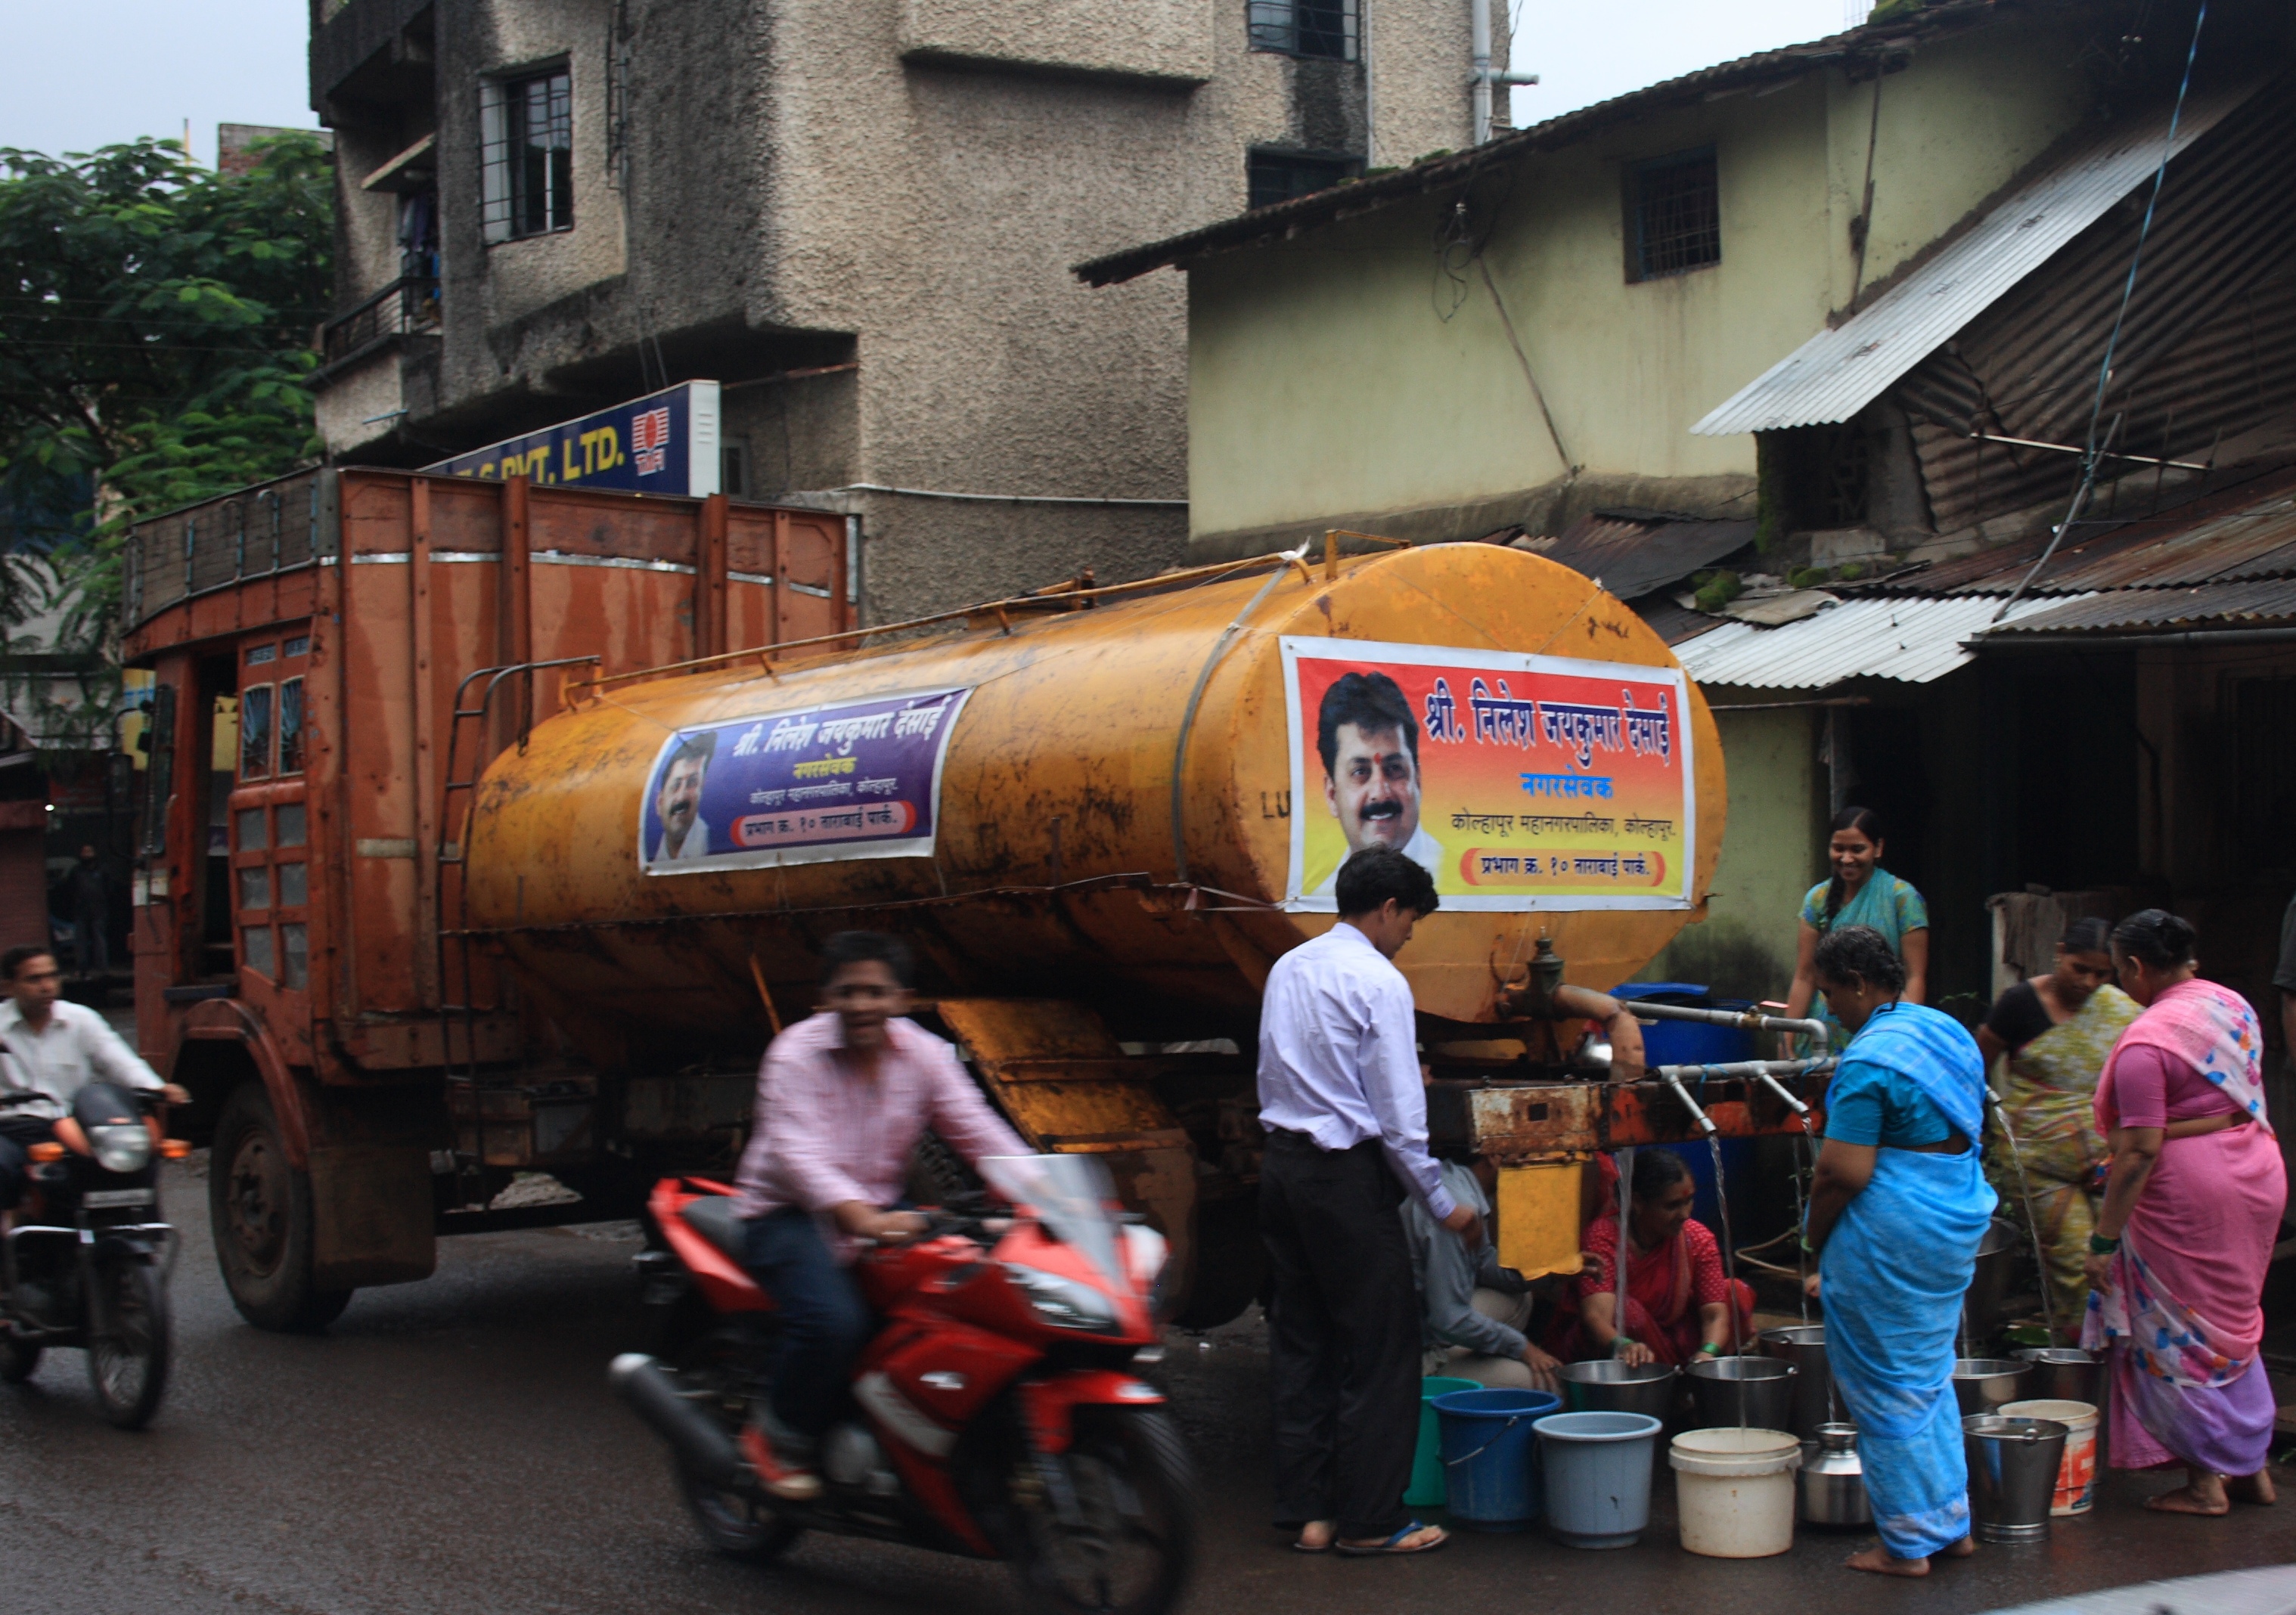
x=1912 y=641
x=1839 y=372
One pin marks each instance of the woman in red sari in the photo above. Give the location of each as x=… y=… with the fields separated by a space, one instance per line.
x=1679 y=1302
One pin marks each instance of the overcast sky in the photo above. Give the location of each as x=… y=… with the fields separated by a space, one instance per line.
x=83 y=73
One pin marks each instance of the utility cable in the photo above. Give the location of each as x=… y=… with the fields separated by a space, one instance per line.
x=2091 y=456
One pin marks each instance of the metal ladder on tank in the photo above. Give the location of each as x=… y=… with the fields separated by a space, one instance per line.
x=469 y=1169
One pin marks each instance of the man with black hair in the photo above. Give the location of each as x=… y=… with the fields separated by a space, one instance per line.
x=1369 y=742
x=1345 y=1115
x=677 y=800
x=843 y=1099
x=49 y=1049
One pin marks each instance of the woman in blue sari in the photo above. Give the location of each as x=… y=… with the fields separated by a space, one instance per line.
x=1895 y=1211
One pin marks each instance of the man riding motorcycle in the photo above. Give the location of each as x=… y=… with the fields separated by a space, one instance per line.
x=843 y=1097
x=49 y=1049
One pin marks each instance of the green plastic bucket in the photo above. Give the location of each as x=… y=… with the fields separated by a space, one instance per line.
x=1427 y=1489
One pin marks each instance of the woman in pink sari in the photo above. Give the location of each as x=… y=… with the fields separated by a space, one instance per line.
x=2191 y=1210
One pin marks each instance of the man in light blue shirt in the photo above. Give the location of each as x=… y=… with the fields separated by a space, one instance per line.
x=1342 y=1102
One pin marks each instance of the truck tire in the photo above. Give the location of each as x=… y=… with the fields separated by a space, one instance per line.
x=260 y=1207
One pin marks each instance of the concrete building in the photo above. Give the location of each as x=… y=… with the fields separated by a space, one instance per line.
x=1824 y=325
x=857 y=216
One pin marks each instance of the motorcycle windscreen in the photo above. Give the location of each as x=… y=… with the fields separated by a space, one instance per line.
x=1070 y=1195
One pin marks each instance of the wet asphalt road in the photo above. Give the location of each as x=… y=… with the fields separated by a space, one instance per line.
x=452 y=1445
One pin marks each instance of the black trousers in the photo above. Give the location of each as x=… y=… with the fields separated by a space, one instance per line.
x=1343 y=1335
x=18 y=1134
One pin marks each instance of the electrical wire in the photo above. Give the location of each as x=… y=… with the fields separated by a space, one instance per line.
x=2092 y=458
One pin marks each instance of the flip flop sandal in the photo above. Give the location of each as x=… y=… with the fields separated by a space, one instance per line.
x=1390 y=1546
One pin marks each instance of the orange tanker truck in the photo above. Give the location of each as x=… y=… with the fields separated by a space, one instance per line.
x=493 y=828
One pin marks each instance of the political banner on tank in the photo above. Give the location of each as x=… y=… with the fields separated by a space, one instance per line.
x=1518 y=782
x=855 y=779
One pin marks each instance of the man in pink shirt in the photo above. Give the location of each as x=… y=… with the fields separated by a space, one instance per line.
x=843 y=1099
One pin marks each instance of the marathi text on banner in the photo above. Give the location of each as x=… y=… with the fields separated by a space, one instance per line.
x=1518 y=782
x=857 y=779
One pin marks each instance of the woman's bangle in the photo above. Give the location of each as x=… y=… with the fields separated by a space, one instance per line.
x=1712 y=1348
x=2098 y=1245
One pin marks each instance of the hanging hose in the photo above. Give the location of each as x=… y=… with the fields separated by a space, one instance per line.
x=2032 y=1222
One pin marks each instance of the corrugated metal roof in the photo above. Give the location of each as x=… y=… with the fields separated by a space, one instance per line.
x=2207 y=353
x=2227 y=605
x=1838 y=373
x=2244 y=531
x=1633 y=553
x=1913 y=641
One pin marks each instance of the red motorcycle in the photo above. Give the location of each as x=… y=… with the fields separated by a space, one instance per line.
x=999 y=1414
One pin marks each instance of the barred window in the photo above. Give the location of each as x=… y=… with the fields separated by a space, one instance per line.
x=1305 y=28
x=1674 y=215
x=527 y=127
x=1275 y=176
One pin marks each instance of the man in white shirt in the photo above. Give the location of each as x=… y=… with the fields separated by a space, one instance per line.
x=49 y=1050
x=1346 y=1115
x=1369 y=740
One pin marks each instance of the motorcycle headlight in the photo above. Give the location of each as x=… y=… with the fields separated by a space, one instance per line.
x=122 y=1149
x=1064 y=1303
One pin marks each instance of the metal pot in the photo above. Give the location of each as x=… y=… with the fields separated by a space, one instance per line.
x=1804 y=1346
x=1834 y=1478
x=2065 y=1373
x=1999 y=1254
x=1756 y=1392
x=1984 y=1385
x=2012 y=1475
x=1608 y=1386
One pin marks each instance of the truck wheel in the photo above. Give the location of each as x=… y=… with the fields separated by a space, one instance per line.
x=1231 y=1263
x=260 y=1208
x=18 y=1359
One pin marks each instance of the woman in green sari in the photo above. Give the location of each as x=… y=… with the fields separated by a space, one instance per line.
x=1859 y=892
x=2055 y=1031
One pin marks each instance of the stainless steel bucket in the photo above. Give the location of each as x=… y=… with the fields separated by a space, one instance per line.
x=1999 y=1255
x=1833 y=1478
x=1757 y=1393
x=1605 y=1386
x=2012 y=1475
x=1983 y=1384
x=2064 y=1373
x=1804 y=1346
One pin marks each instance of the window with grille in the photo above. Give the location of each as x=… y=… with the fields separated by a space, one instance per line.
x=1275 y=176
x=1305 y=28
x=1674 y=215
x=527 y=128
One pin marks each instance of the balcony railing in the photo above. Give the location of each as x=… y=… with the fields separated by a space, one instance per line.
x=408 y=305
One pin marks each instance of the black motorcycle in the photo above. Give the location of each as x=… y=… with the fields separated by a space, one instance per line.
x=86 y=1263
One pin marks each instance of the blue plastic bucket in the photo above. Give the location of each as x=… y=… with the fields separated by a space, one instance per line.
x=1598 y=1471
x=1487 y=1455
x=1426 y=1489
x=1698 y=1043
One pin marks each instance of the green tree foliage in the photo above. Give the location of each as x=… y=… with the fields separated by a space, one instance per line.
x=155 y=348
x=155 y=323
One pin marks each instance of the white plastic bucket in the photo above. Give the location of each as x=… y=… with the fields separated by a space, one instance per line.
x=2077 y=1475
x=1734 y=1490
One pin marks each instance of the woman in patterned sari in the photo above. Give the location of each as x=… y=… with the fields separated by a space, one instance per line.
x=2191 y=1209
x=2055 y=1031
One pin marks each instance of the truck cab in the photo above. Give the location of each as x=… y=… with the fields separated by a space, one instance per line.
x=335 y=658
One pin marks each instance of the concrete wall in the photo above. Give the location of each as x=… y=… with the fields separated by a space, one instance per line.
x=1744 y=947
x=901 y=184
x=1356 y=374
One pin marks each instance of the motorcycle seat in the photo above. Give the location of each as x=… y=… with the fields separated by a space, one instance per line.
x=713 y=1217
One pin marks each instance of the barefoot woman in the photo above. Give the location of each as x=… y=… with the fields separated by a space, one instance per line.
x=1895 y=1214
x=2192 y=1208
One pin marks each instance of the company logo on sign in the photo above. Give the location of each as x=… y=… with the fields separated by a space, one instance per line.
x=649 y=440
